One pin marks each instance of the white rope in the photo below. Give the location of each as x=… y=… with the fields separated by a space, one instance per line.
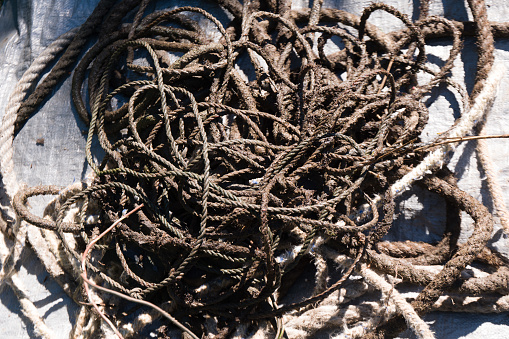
x=25 y=85
x=420 y=328
x=362 y=328
x=496 y=193
x=28 y=308
x=434 y=159
x=79 y=324
x=53 y=264
x=10 y=261
x=329 y=314
x=327 y=317
x=11 y=185
x=472 y=304
x=463 y=126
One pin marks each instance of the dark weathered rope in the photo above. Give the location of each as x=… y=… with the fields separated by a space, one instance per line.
x=242 y=181
x=465 y=255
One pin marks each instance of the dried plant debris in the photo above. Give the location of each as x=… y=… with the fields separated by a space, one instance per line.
x=256 y=155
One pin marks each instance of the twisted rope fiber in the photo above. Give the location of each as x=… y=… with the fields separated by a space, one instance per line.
x=243 y=182
x=447 y=276
x=402 y=306
x=28 y=308
x=486 y=59
x=11 y=186
x=64 y=63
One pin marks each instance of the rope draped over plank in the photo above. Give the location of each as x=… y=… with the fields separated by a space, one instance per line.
x=253 y=152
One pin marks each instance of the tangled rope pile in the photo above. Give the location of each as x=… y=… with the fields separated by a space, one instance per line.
x=236 y=166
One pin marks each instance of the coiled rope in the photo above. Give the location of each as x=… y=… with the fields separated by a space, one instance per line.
x=247 y=160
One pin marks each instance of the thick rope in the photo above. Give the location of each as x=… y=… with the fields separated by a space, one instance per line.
x=243 y=182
